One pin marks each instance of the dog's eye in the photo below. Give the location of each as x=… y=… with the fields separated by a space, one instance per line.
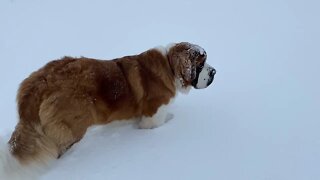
x=201 y=63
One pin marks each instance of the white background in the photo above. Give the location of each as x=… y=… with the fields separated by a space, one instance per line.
x=259 y=120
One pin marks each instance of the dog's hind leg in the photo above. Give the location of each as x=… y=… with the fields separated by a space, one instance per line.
x=64 y=121
x=61 y=135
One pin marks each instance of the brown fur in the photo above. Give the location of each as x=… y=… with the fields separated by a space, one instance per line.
x=57 y=103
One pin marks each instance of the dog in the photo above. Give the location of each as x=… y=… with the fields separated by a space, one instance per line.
x=57 y=103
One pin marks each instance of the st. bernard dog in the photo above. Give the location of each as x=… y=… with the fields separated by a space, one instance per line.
x=57 y=103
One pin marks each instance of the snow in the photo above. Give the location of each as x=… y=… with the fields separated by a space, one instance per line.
x=199 y=49
x=258 y=120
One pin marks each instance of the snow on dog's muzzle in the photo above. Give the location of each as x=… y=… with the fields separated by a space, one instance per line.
x=205 y=77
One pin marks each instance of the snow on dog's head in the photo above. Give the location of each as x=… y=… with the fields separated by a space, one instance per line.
x=188 y=62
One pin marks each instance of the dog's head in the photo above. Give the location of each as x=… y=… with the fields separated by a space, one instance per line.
x=188 y=62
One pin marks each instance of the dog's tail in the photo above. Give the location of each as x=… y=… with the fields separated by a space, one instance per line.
x=11 y=168
x=7 y=161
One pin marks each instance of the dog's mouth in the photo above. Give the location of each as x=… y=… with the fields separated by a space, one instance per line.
x=204 y=77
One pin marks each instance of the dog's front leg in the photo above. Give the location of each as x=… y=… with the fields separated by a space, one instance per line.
x=159 y=118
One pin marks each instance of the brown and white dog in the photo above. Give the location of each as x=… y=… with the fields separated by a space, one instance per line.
x=57 y=103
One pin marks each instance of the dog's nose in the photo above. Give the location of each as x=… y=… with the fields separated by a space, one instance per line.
x=212 y=72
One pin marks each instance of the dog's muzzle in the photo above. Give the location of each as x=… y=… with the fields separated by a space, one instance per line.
x=205 y=77
x=212 y=72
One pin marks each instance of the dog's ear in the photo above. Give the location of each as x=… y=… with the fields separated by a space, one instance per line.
x=182 y=59
x=187 y=68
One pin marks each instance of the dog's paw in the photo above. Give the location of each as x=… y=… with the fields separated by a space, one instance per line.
x=151 y=123
x=148 y=123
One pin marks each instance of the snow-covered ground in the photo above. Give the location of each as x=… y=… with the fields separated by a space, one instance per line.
x=259 y=120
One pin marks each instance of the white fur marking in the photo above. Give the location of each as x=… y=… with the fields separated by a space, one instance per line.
x=204 y=77
x=169 y=46
x=157 y=119
x=162 y=50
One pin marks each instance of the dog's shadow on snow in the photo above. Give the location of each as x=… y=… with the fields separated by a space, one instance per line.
x=102 y=137
x=111 y=146
x=110 y=140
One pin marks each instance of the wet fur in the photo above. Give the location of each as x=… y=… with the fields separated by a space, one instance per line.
x=60 y=101
x=57 y=103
